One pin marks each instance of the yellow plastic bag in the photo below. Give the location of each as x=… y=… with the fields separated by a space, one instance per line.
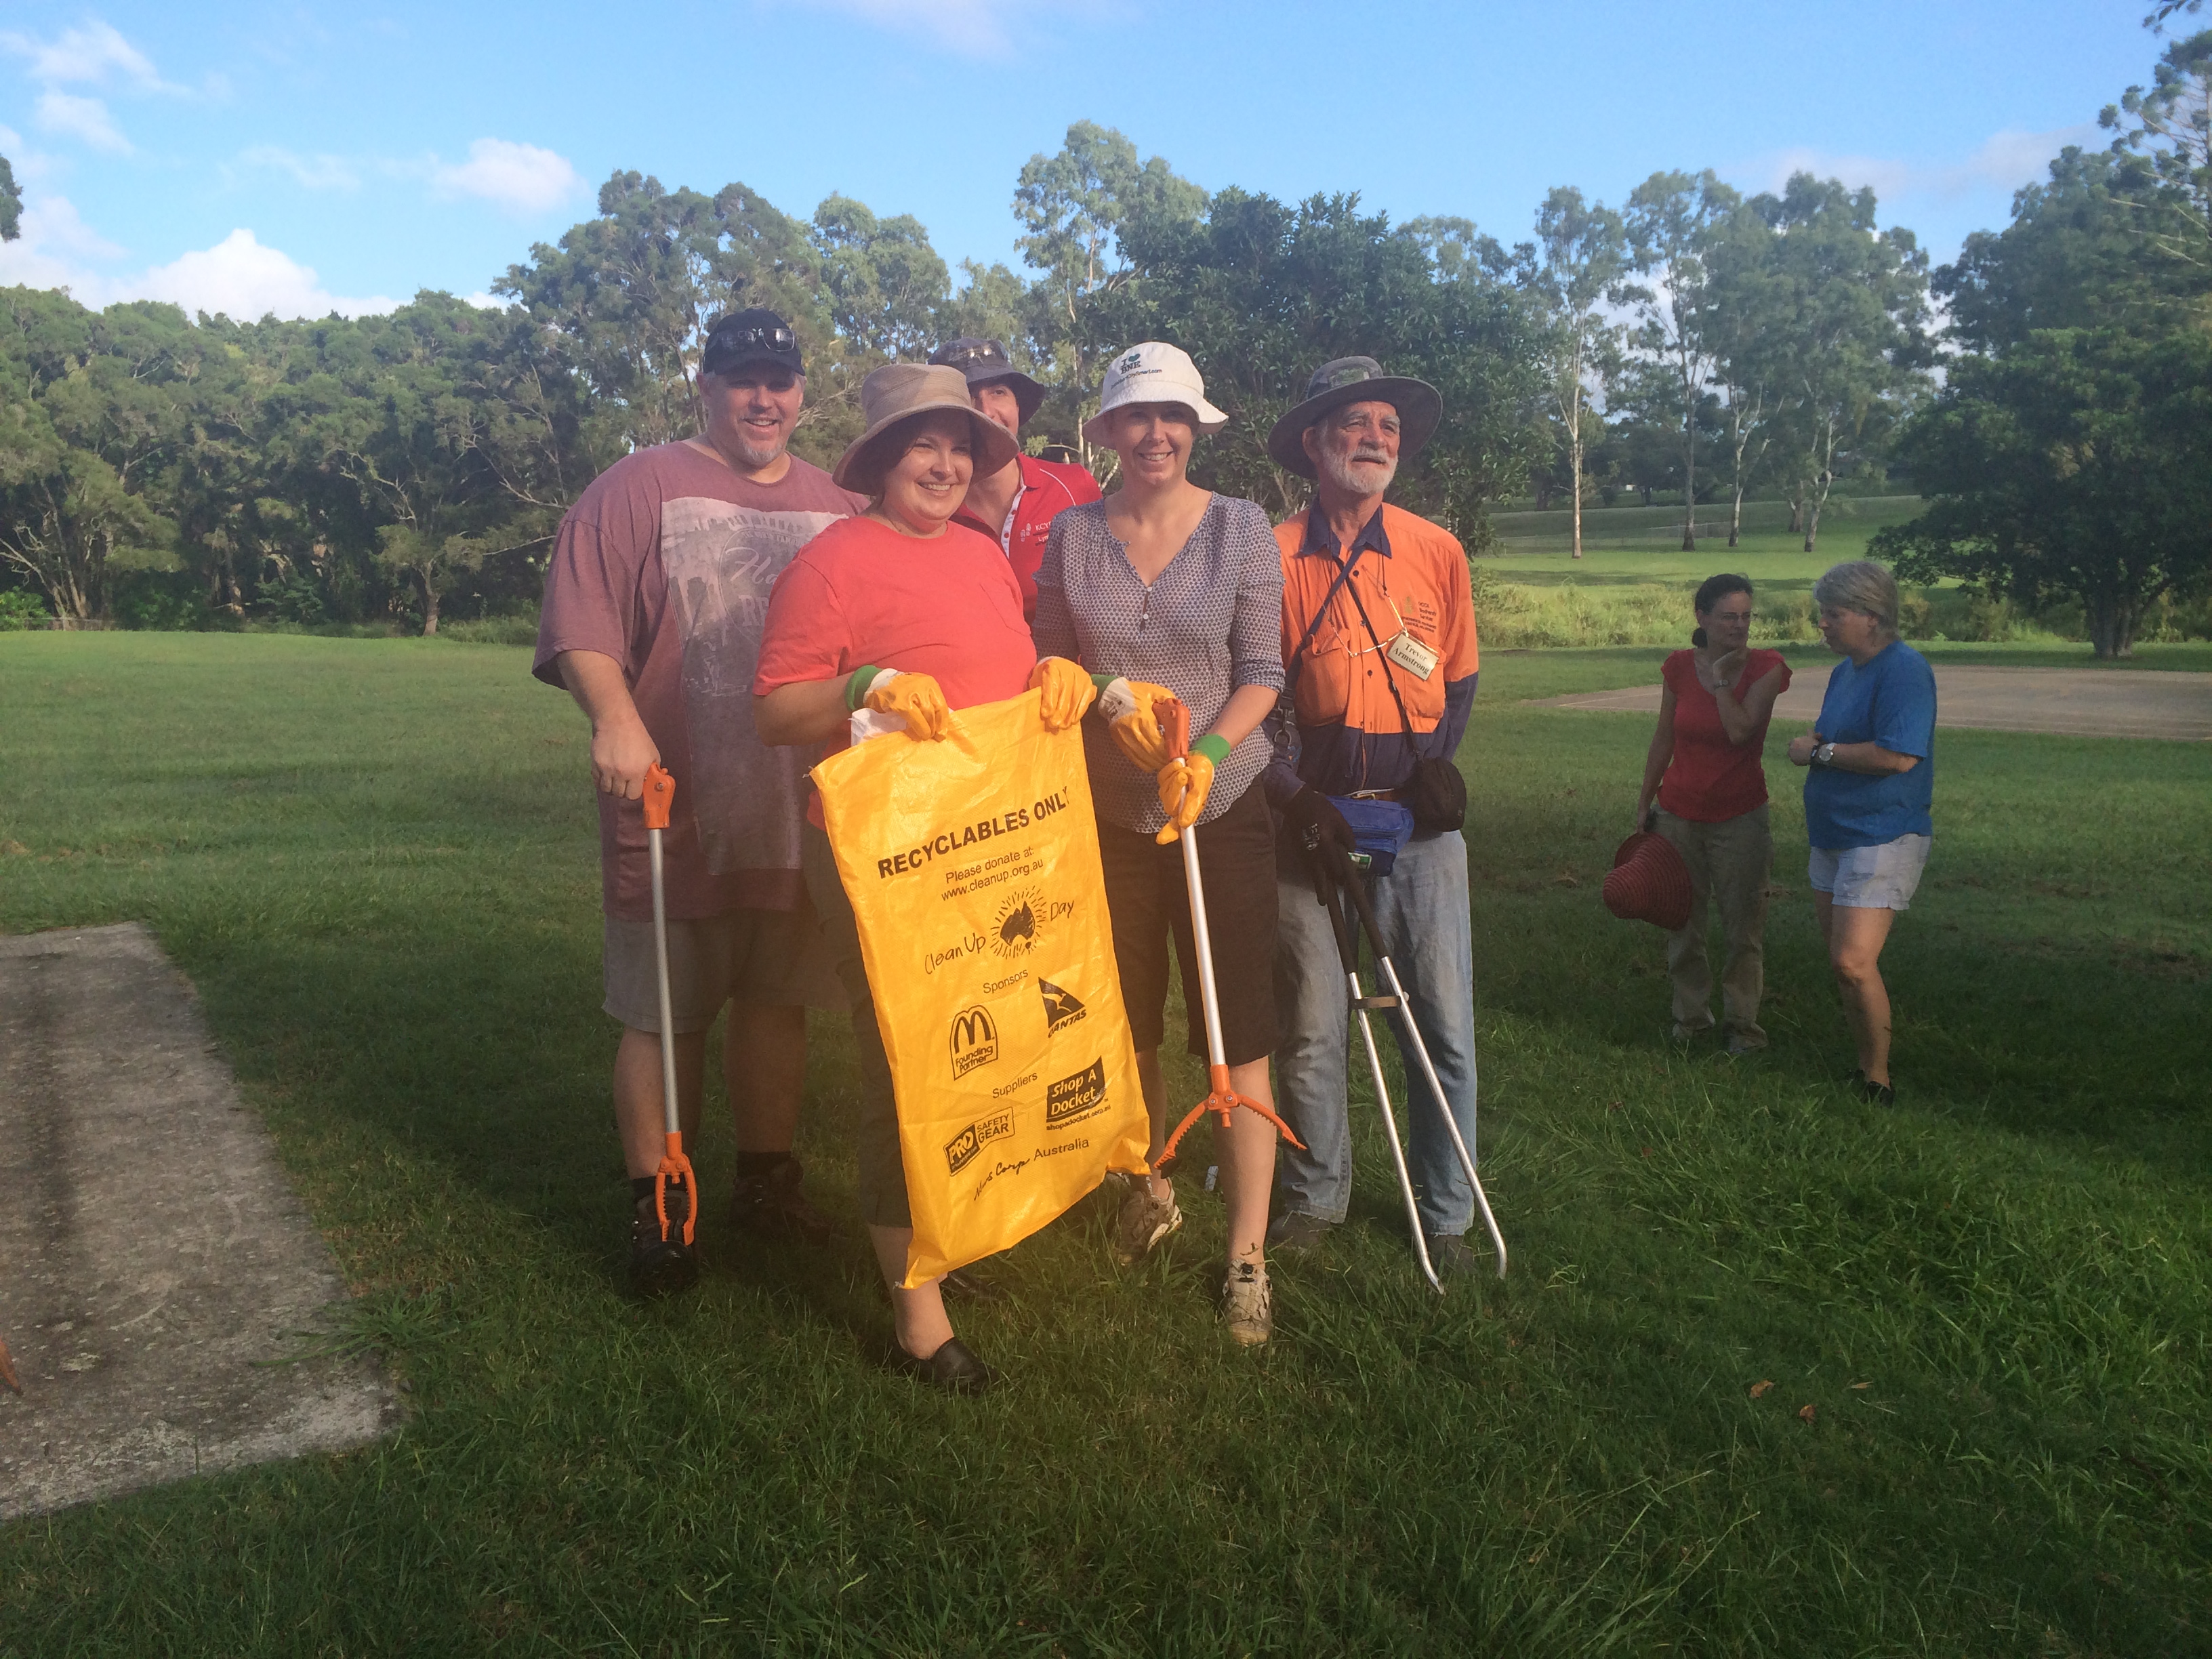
x=972 y=865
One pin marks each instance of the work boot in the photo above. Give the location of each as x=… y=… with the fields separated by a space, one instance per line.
x=1247 y=1304
x=660 y=1265
x=1144 y=1221
x=770 y=1206
x=1295 y=1230
x=1450 y=1255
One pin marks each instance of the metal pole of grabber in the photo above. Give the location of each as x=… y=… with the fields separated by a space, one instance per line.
x=1354 y=892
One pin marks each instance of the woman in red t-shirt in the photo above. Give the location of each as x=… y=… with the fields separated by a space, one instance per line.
x=1703 y=766
x=901 y=612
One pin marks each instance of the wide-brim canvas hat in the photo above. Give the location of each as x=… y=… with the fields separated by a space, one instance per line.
x=898 y=393
x=1153 y=373
x=987 y=363
x=1356 y=381
x=1648 y=882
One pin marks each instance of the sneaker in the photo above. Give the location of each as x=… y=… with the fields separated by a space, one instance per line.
x=771 y=1206
x=1143 y=1222
x=1742 y=1042
x=1450 y=1257
x=660 y=1265
x=1878 y=1094
x=1681 y=1033
x=1295 y=1230
x=1248 y=1306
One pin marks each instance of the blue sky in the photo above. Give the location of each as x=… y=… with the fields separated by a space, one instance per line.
x=295 y=157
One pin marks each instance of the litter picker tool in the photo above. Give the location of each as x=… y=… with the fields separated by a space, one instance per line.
x=675 y=1169
x=1342 y=890
x=1174 y=727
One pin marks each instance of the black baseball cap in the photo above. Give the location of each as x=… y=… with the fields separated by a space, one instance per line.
x=756 y=335
x=984 y=361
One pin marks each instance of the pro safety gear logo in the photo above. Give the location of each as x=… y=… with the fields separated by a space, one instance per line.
x=960 y=1151
x=975 y=1039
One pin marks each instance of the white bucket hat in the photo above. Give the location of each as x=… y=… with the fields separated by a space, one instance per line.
x=1153 y=373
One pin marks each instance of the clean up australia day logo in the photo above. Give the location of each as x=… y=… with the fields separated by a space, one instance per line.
x=1019 y=927
x=975 y=1039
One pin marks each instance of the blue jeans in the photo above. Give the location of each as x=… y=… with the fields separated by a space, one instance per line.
x=1421 y=906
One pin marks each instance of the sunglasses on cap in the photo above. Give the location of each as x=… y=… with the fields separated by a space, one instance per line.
x=738 y=339
x=961 y=357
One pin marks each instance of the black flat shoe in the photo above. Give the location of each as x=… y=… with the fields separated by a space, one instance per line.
x=952 y=1368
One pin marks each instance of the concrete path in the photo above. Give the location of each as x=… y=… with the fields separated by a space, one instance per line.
x=2090 y=703
x=150 y=1249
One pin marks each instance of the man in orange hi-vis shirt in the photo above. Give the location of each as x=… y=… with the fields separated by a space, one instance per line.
x=1379 y=643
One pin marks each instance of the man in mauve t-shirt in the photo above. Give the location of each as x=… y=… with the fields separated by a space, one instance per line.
x=653 y=605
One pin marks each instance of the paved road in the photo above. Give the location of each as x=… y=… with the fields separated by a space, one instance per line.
x=152 y=1257
x=2091 y=703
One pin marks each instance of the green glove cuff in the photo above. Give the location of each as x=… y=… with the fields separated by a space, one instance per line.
x=1102 y=681
x=856 y=689
x=1213 y=746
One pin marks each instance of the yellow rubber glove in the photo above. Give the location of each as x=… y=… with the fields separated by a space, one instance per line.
x=920 y=699
x=1130 y=707
x=1185 y=782
x=1067 y=689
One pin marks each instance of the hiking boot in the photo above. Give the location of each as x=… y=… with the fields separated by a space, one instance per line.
x=660 y=1265
x=1742 y=1042
x=1248 y=1306
x=771 y=1206
x=1143 y=1222
x=1450 y=1257
x=1295 y=1230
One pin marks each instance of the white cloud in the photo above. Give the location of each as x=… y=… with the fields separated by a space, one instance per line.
x=2003 y=162
x=520 y=178
x=309 y=171
x=239 y=277
x=72 y=117
x=89 y=54
x=484 y=300
x=972 y=29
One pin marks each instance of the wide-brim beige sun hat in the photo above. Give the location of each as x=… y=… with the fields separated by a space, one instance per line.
x=899 y=391
x=1153 y=373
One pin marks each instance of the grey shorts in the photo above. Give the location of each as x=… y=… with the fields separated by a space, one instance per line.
x=1882 y=878
x=762 y=958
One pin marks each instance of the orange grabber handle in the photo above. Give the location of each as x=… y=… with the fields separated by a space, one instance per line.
x=660 y=797
x=1223 y=1101
x=1174 y=717
x=675 y=1167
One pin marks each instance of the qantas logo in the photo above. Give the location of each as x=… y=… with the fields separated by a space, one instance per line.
x=1061 y=1009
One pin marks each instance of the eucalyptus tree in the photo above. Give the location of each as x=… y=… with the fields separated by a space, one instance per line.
x=1580 y=258
x=1672 y=219
x=1073 y=207
x=11 y=203
x=886 y=284
x=1850 y=316
x=1748 y=325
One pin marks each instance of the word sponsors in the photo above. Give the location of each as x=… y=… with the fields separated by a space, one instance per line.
x=947 y=842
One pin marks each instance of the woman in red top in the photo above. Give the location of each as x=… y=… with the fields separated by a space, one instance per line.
x=1703 y=766
x=903 y=612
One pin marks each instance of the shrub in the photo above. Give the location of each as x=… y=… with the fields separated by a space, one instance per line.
x=21 y=608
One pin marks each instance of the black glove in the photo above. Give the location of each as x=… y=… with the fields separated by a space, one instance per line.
x=1315 y=823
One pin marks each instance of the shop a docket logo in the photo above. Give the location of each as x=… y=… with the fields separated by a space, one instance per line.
x=960 y=1151
x=975 y=1039
x=1061 y=1009
x=1075 y=1097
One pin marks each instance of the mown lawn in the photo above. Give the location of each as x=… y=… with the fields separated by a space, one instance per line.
x=1983 y=1313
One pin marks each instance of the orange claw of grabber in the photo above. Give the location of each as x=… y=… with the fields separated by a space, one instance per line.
x=1223 y=1101
x=676 y=1168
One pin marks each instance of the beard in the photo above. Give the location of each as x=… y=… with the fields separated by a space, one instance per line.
x=1363 y=473
x=753 y=454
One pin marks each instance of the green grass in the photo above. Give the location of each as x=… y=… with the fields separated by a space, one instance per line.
x=376 y=859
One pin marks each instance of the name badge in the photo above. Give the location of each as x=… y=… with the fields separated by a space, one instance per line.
x=1410 y=654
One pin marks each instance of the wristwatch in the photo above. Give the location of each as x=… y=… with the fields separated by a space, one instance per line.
x=1825 y=755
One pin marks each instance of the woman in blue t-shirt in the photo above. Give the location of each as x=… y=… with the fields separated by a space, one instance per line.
x=1872 y=777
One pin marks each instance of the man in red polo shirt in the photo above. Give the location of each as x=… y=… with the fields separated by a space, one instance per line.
x=1015 y=505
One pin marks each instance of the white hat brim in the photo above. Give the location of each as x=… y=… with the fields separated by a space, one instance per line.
x=1208 y=419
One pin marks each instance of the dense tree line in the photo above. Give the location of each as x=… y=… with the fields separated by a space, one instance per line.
x=1693 y=343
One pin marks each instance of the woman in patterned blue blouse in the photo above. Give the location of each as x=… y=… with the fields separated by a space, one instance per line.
x=1166 y=584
